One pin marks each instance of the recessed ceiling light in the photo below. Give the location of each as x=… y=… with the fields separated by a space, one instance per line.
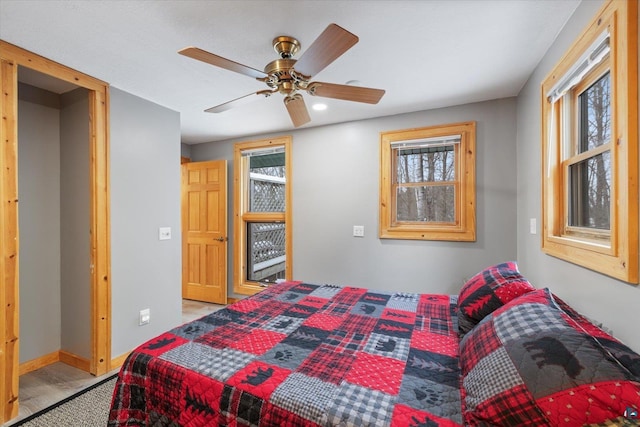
x=319 y=107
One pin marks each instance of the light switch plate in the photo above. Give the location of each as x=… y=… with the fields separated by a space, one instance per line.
x=533 y=226
x=145 y=317
x=164 y=233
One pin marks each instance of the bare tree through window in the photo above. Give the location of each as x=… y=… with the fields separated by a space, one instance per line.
x=591 y=178
x=590 y=148
x=427 y=183
x=425 y=178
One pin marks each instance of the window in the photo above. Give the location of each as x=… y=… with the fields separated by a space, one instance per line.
x=427 y=183
x=589 y=155
x=589 y=159
x=262 y=213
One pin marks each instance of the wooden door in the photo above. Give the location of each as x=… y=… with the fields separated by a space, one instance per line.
x=204 y=231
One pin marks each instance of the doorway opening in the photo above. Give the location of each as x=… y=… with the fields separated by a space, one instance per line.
x=54 y=255
x=89 y=349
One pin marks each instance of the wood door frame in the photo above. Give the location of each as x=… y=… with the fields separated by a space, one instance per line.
x=100 y=360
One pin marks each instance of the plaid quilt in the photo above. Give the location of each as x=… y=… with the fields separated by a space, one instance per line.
x=301 y=354
x=537 y=362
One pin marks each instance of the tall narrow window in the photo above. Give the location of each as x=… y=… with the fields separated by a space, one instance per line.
x=427 y=183
x=262 y=237
x=590 y=148
x=589 y=162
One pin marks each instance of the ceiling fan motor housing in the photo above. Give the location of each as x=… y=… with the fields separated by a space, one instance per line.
x=280 y=76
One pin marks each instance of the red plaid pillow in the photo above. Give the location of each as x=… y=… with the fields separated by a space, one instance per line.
x=488 y=290
x=532 y=363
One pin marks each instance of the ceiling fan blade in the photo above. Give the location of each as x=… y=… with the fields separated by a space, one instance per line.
x=218 y=61
x=297 y=109
x=346 y=92
x=333 y=42
x=237 y=102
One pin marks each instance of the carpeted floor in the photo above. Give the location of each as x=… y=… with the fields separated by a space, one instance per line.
x=87 y=408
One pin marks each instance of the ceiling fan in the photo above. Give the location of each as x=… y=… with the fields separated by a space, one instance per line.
x=289 y=76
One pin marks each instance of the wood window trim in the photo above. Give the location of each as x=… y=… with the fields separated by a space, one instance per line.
x=464 y=227
x=617 y=257
x=241 y=217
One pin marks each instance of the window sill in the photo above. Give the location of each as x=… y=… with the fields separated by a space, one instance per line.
x=441 y=235
x=595 y=257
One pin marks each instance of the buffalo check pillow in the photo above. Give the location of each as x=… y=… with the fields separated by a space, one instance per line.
x=488 y=290
x=532 y=363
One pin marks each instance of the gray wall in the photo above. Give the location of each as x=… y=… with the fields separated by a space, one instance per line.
x=609 y=301
x=39 y=219
x=145 y=195
x=54 y=221
x=185 y=150
x=75 y=257
x=335 y=186
x=53 y=177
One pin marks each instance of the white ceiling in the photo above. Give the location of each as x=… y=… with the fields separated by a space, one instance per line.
x=425 y=54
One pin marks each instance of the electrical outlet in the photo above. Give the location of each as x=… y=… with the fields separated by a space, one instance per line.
x=358 y=230
x=145 y=316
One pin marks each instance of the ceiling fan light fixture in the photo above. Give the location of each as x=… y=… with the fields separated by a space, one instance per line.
x=319 y=106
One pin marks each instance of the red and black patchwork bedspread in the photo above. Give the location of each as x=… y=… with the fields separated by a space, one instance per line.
x=301 y=354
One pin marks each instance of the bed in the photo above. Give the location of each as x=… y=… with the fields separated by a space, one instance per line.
x=301 y=354
x=298 y=354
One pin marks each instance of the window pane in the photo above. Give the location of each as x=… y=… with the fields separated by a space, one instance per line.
x=428 y=164
x=265 y=246
x=426 y=203
x=267 y=182
x=590 y=192
x=595 y=114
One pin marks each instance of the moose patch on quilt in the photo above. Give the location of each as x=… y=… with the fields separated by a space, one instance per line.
x=302 y=354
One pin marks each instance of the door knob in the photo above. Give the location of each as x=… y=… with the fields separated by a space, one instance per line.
x=221 y=239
